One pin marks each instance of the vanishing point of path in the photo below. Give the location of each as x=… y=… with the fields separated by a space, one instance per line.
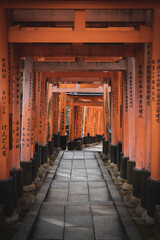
x=78 y=205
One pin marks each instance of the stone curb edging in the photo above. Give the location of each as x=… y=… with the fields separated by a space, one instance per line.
x=26 y=228
x=130 y=229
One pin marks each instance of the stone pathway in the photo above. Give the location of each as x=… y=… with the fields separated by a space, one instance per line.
x=78 y=205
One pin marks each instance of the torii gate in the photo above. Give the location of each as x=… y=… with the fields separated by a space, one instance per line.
x=140 y=88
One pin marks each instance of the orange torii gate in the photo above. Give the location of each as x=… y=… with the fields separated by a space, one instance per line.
x=146 y=102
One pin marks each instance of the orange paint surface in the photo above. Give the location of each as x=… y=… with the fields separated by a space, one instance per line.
x=62 y=114
x=115 y=108
x=131 y=107
x=16 y=111
x=140 y=109
x=27 y=111
x=71 y=121
x=155 y=108
x=38 y=96
x=55 y=106
x=4 y=100
x=125 y=116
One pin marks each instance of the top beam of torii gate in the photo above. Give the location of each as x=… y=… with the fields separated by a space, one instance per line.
x=80 y=4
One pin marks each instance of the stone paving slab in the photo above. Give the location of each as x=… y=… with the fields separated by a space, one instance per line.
x=79 y=233
x=49 y=228
x=107 y=227
x=78 y=197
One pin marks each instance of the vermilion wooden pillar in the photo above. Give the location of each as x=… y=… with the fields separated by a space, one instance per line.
x=131 y=108
x=140 y=108
x=125 y=144
x=115 y=115
x=78 y=122
x=10 y=86
x=33 y=116
x=71 y=121
x=38 y=96
x=55 y=101
x=16 y=171
x=16 y=110
x=43 y=119
x=50 y=112
x=140 y=115
x=96 y=121
x=37 y=128
x=27 y=121
x=86 y=121
x=115 y=109
x=145 y=172
x=131 y=117
x=50 y=119
x=6 y=187
x=4 y=101
x=148 y=62
x=154 y=181
x=63 y=120
x=90 y=120
x=55 y=107
x=106 y=110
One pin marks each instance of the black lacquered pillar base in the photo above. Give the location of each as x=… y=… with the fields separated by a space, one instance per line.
x=144 y=179
x=153 y=196
x=27 y=172
x=113 y=153
x=50 y=147
x=56 y=140
x=136 y=173
x=123 y=168
x=71 y=145
x=119 y=150
x=38 y=147
x=19 y=176
x=6 y=195
x=14 y=180
x=63 y=142
x=130 y=166
x=120 y=159
x=105 y=147
x=44 y=154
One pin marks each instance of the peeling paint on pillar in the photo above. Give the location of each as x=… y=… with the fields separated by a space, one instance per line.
x=27 y=110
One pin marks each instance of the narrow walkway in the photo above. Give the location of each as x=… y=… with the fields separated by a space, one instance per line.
x=78 y=205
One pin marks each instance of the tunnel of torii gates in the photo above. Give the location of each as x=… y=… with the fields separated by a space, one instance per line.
x=109 y=53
